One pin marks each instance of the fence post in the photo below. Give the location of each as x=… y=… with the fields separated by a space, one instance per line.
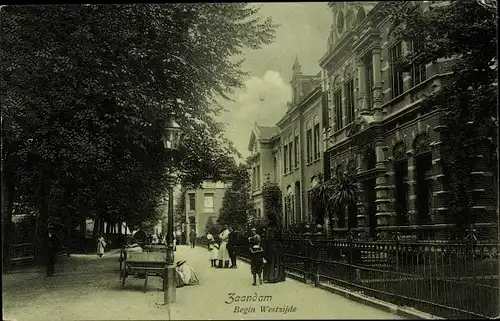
x=316 y=250
x=307 y=254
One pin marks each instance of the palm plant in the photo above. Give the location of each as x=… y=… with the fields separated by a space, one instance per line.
x=345 y=193
x=321 y=195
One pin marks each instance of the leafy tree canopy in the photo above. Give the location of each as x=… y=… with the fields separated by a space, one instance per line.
x=236 y=204
x=86 y=89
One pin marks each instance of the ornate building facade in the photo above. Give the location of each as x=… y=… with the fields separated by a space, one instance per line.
x=376 y=125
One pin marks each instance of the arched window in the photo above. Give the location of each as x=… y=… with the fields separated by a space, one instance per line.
x=401 y=183
x=361 y=15
x=423 y=175
x=309 y=142
x=370 y=158
x=316 y=133
x=298 y=202
x=288 y=205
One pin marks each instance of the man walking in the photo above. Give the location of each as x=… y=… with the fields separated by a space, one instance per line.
x=53 y=247
x=232 y=246
x=192 y=238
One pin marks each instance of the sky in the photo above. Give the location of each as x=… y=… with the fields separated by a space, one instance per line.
x=303 y=33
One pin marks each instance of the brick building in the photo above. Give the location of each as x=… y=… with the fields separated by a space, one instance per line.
x=203 y=204
x=376 y=125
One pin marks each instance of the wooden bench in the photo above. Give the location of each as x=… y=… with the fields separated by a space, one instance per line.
x=21 y=253
x=142 y=265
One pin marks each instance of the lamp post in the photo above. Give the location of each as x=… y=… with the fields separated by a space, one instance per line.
x=171 y=139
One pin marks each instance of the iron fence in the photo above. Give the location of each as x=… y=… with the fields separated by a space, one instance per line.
x=450 y=280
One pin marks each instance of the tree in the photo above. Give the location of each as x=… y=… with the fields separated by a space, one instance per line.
x=271 y=196
x=236 y=204
x=180 y=208
x=212 y=227
x=86 y=89
x=467 y=32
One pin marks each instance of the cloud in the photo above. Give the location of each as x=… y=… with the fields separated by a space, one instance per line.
x=263 y=100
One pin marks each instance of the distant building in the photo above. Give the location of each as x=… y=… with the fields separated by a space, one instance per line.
x=263 y=162
x=290 y=154
x=203 y=204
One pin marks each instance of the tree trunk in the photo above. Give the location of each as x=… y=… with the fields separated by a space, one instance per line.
x=83 y=232
x=41 y=223
x=95 y=230
x=8 y=189
x=101 y=226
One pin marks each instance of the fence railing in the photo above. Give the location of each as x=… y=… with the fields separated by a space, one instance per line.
x=452 y=280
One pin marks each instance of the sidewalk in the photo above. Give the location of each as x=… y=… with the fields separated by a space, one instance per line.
x=87 y=287
x=211 y=299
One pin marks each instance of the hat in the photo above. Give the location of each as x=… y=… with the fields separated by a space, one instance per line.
x=179 y=263
x=256 y=247
x=254 y=229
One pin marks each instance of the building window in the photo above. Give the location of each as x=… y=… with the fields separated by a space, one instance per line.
x=418 y=71
x=192 y=202
x=316 y=141
x=296 y=150
x=285 y=159
x=324 y=106
x=257 y=174
x=349 y=95
x=208 y=202
x=396 y=73
x=369 y=80
x=401 y=184
x=309 y=145
x=337 y=97
x=290 y=153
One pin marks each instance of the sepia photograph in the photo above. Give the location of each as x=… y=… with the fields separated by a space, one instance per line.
x=250 y=160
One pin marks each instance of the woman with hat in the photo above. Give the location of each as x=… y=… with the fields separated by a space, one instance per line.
x=185 y=274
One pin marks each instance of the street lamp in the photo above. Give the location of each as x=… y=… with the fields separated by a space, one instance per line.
x=171 y=138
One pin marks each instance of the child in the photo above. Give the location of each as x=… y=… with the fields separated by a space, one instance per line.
x=257 y=263
x=213 y=249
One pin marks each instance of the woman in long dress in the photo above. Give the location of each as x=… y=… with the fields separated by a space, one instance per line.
x=185 y=274
x=223 y=252
x=275 y=266
x=101 y=245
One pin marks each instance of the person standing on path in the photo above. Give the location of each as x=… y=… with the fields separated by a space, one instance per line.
x=274 y=270
x=192 y=238
x=213 y=249
x=257 y=261
x=255 y=238
x=101 y=245
x=223 y=253
x=232 y=246
x=53 y=246
x=178 y=236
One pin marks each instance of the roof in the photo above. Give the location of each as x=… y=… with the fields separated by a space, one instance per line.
x=262 y=132
x=268 y=132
